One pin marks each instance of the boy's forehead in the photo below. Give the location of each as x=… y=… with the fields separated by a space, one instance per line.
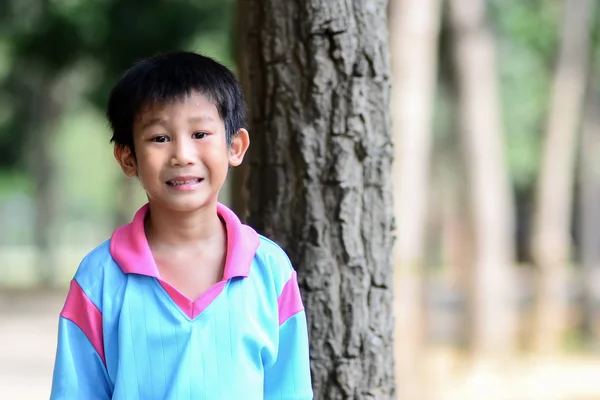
x=195 y=102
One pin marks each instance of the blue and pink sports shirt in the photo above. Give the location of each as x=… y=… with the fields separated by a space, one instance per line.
x=125 y=334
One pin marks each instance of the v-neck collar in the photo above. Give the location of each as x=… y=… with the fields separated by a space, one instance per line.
x=130 y=249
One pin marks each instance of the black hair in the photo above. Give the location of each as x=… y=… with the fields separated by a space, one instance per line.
x=172 y=76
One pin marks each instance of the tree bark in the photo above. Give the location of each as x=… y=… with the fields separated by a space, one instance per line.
x=551 y=240
x=493 y=322
x=414 y=27
x=320 y=177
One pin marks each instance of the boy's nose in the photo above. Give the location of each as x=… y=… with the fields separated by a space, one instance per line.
x=183 y=153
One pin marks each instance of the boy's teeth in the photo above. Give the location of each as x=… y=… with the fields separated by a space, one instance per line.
x=177 y=183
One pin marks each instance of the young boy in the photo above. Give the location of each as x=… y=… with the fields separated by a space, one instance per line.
x=185 y=302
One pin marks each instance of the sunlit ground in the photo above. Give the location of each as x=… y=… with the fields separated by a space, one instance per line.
x=565 y=377
x=28 y=325
x=28 y=322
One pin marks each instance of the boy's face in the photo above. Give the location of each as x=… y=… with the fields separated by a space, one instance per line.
x=182 y=155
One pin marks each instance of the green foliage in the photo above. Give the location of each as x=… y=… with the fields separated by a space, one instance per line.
x=527 y=34
x=140 y=28
x=534 y=24
x=12 y=181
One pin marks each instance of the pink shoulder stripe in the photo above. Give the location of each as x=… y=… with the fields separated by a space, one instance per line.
x=80 y=310
x=289 y=301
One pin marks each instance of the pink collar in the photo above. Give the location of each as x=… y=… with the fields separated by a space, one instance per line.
x=130 y=249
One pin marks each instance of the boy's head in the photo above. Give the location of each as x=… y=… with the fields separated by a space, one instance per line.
x=168 y=77
x=177 y=122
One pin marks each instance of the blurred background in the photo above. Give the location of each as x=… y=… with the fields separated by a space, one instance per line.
x=496 y=115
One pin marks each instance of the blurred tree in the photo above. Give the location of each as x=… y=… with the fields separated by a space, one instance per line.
x=589 y=212
x=489 y=186
x=37 y=86
x=551 y=238
x=526 y=33
x=320 y=175
x=451 y=220
x=414 y=27
x=238 y=176
x=128 y=30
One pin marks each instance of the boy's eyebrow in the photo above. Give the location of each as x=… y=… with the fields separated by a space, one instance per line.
x=160 y=120
x=201 y=118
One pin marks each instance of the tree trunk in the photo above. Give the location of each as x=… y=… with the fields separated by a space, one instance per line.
x=551 y=240
x=414 y=26
x=238 y=176
x=456 y=234
x=589 y=214
x=46 y=108
x=43 y=169
x=49 y=94
x=320 y=177
x=493 y=322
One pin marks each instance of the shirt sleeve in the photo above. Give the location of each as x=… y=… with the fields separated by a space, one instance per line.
x=79 y=368
x=289 y=377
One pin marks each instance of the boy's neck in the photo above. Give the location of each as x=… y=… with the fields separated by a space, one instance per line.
x=181 y=229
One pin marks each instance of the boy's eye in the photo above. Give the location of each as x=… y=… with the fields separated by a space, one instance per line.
x=160 y=139
x=199 y=135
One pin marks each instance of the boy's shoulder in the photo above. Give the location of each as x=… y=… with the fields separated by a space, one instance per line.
x=96 y=257
x=97 y=267
x=268 y=249
x=273 y=260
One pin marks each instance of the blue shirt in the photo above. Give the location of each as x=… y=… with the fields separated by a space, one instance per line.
x=126 y=334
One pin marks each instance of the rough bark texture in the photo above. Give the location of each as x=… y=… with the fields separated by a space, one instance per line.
x=490 y=195
x=414 y=27
x=551 y=241
x=320 y=177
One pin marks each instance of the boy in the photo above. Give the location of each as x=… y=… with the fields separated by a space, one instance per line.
x=184 y=302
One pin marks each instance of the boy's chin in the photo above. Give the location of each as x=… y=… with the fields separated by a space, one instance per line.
x=184 y=205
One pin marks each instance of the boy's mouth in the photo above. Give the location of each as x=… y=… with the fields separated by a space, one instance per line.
x=184 y=181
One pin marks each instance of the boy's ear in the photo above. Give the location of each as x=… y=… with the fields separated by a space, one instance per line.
x=126 y=160
x=239 y=146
